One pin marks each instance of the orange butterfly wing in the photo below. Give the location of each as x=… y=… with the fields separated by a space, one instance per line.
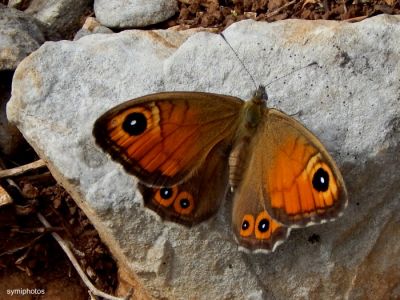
x=301 y=183
x=164 y=138
x=254 y=228
x=290 y=180
x=197 y=198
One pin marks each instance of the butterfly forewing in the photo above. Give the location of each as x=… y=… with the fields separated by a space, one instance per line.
x=164 y=138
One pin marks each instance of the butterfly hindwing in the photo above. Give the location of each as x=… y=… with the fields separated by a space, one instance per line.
x=254 y=228
x=197 y=198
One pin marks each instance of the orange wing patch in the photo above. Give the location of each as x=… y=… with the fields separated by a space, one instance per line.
x=260 y=232
x=301 y=186
x=147 y=144
x=265 y=226
x=172 y=203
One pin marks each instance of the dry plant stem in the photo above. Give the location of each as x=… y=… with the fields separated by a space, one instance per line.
x=25 y=255
x=38 y=179
x=356 y=19
x=278 y=10
x=22 y=169
x=35 y=230
x=344 y=6
x=189 y=2
x=30 y=244
x=76 y=265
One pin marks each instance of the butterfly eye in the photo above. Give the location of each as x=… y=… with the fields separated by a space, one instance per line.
x=247 y=225
x=135 y=123
x=166 y=196
x=262 y=228
x=184 y=203
x=320 y=180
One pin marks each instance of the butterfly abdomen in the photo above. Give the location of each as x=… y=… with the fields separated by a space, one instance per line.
x=237 y=162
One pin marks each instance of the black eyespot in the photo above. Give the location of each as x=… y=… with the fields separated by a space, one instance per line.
x=134 y=123
x=166 y=193
x=263 y=225
x=320 y=180
x=184 y=203
x=245 y=225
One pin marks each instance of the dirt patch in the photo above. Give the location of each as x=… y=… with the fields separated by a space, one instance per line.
x=220 y=14
x=29 y=255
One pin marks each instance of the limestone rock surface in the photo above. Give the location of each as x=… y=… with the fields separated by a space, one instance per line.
x=351 y=101
x=134 y=13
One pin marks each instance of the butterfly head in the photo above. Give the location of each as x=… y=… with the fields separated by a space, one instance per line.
x=260 y=95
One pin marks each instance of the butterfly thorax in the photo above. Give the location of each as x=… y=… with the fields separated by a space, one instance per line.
x=253 y=110
x=252 y=115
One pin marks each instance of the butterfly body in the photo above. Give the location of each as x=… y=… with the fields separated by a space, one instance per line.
x=188 y=148
x=250 y=117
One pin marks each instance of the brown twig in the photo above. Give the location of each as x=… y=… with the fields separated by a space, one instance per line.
x=17 y=229
x=30 y=244
x=24 y=210
x=22 y=169
x=278 y=10
x=189 y=2
x=93 y=290
x=356 y=19
x=44 y=178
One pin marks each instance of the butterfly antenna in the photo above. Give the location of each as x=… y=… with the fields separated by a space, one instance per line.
x=241 y=62
x=293 y=71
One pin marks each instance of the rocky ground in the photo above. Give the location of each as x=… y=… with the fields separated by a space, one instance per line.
x=29 y=255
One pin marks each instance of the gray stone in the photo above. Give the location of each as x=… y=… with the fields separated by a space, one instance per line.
x=91 y=26
x=10 y=137
x=20 y=34
x=134 y=13
x=61 y=15
x=351 y=102
x=15 y=3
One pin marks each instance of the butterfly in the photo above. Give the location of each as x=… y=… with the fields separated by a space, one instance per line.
x=188 y=149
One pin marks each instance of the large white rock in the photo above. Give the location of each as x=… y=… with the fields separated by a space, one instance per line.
x=134 y=13
x=351 y=101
